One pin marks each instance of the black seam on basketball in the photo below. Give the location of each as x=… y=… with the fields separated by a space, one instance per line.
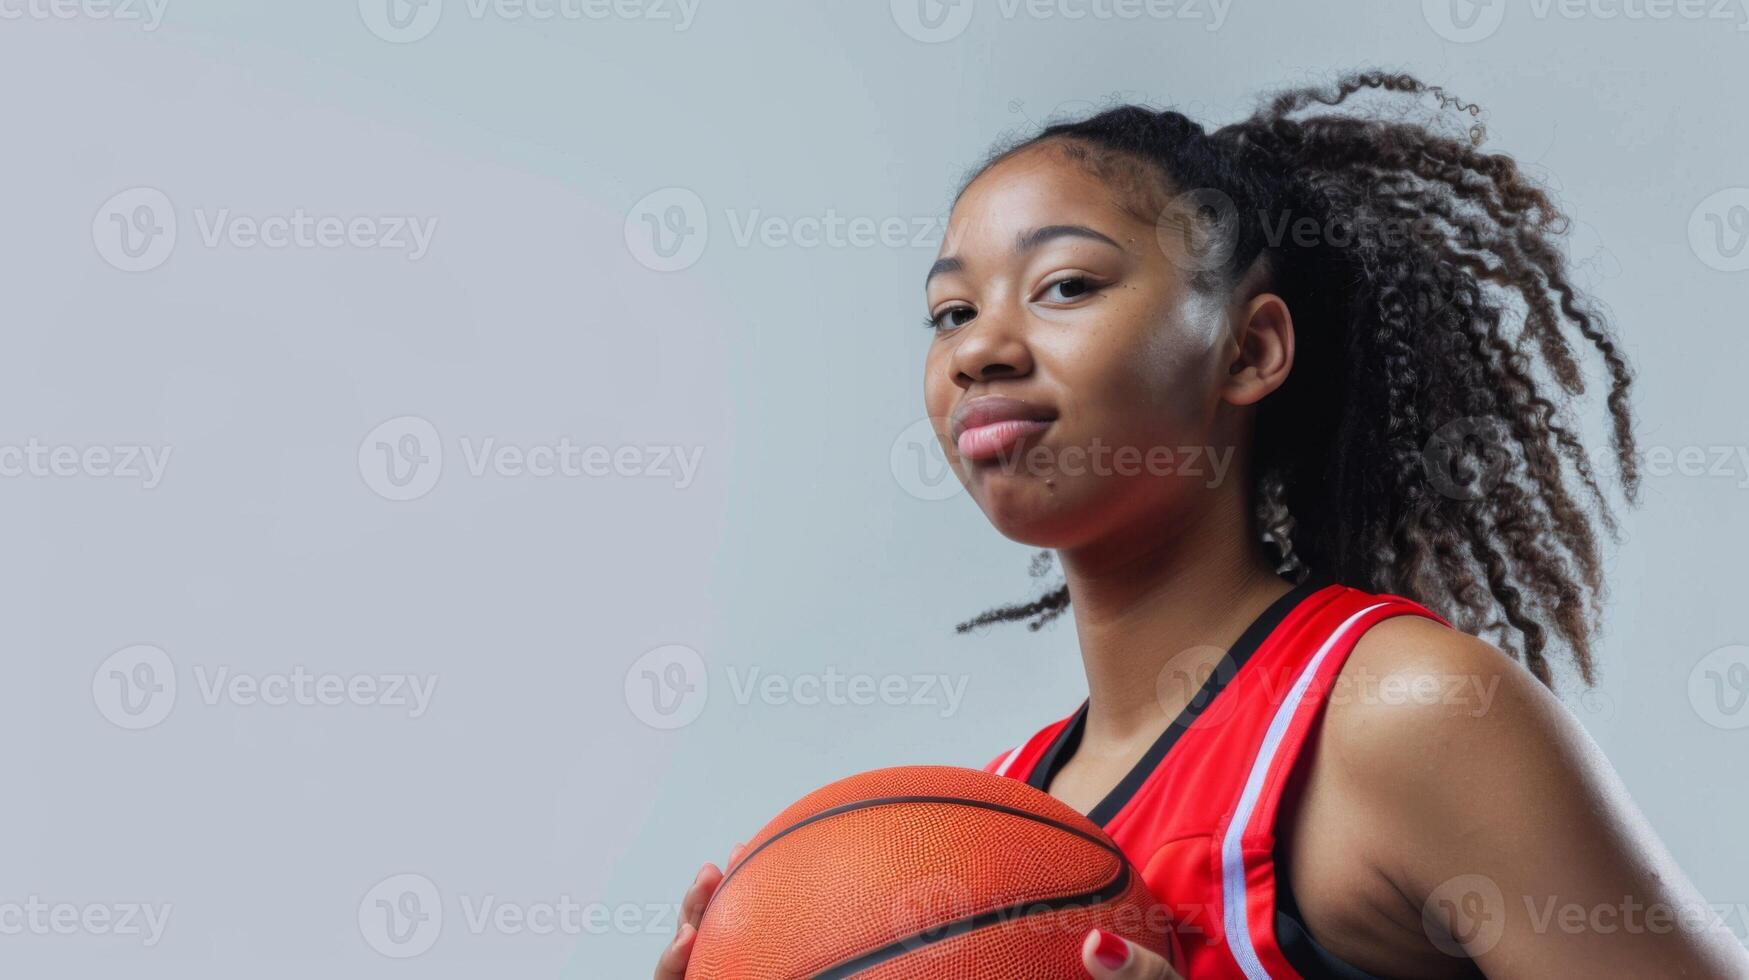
x=1103 y=844
x=972 y=923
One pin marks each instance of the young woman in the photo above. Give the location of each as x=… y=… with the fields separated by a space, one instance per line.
x=1290 y=727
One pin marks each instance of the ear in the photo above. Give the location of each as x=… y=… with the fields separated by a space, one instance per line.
x=1263 y=350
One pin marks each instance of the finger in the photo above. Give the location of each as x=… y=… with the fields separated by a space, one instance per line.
x=1110 y=957
x=736 y=852
x=699 y=894
x=672 y=965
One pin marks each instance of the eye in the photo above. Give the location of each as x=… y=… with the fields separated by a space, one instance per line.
x=949 y=318
x=1068 y=288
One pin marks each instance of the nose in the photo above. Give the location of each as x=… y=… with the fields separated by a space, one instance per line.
x=992 y=346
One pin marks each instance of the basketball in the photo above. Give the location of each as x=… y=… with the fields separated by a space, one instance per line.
x=923 y=872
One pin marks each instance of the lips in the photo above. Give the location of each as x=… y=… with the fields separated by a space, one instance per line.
x=985 y=426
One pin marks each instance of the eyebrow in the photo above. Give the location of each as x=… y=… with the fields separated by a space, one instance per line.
x=1026 y=241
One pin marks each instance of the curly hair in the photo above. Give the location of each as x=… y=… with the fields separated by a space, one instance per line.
x=1423 y=443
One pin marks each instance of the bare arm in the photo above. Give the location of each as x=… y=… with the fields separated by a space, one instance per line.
x=1506 y=828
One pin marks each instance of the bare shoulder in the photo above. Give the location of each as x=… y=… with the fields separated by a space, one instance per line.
x=1448 y=742
x=1415 y=692
x=1465 y=769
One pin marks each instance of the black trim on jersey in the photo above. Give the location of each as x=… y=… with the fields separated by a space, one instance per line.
x=1070 y=737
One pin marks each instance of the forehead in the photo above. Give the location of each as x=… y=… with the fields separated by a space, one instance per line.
x=1048 y=184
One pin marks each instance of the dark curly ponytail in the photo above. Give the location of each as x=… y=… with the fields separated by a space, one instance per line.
x=1421 y=445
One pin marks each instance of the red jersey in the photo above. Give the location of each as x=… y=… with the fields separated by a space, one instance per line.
x=1198 y=814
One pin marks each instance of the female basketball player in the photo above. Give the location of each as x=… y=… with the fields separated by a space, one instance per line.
x=1289 y=727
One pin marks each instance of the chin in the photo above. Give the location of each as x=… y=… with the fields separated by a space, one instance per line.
x=1024 y=509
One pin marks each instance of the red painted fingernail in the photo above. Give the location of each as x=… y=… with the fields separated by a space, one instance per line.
x=1112 y=952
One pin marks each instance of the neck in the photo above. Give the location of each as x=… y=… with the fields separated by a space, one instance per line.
x=1177 y=600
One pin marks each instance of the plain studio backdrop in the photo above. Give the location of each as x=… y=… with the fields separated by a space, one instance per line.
x=464 y=464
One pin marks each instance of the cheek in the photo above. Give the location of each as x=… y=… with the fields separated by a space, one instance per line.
x=940 y=394
x=1153 y=385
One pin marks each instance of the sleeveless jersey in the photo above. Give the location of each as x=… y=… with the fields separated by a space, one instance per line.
x=1198 y=814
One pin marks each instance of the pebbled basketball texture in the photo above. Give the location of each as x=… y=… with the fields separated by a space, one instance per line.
x=923 y=872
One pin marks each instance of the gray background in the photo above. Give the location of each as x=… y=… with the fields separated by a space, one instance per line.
x=807 y=541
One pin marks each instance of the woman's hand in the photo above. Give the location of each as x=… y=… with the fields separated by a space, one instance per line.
x=1109 y=957
x=672 y=965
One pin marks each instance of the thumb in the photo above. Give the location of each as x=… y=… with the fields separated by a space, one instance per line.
x=1111 y=957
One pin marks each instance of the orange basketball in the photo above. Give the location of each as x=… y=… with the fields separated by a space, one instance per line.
x=923 y=872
